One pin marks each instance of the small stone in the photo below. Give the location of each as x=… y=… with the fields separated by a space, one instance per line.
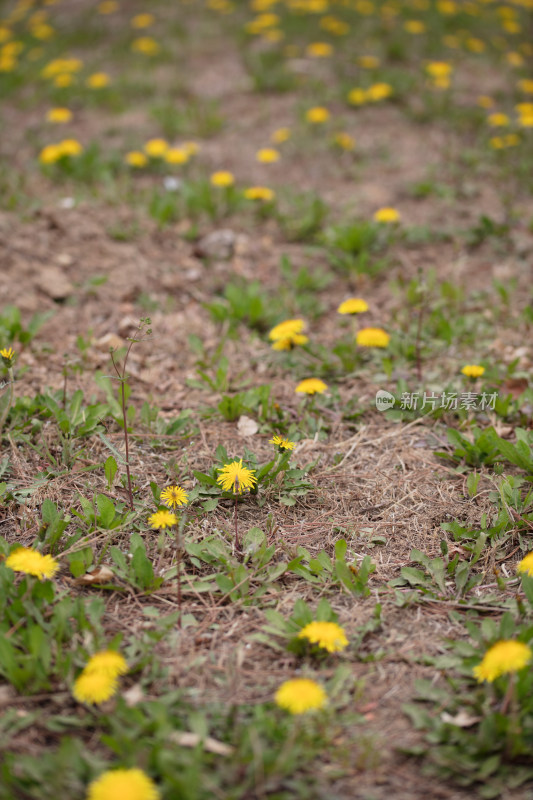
x=53 y=282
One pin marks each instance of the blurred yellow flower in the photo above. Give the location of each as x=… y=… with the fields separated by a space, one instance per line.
x=70 y=147
x=123 y=784
x=107 y=7
x=484 y=101
x=300 y=695
x=162 y=519
x=368 y=62
x=473 y=370
x=135 y=158
x=415 y=26
x=286 y=328
x=317 y=115
x=319 y=50
x=267 y=155
x=50 y=154
x=94 y=687
x=98 y=80
x=378 y=91
x=526 y=565
x=503 y=657
x=327 y=635
x=290 y=341
x=109 y=661
x=63 y=80
x=357 y=97
x=525 y=85
x=387 y=215
x=372 y=337
x=29 y=561
x=142 y=21
x=282 y=443
x=311 y=386
x=355 y=305
x=156 y=148
x=344 y=141
x=59 y=115
x=222 y=178
x=498 y=120
x=259 y=193
x=145 y=45
x=281 y=135
x=177 y=155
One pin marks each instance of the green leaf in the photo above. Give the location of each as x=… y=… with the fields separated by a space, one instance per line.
x=142 y=567
x=110 y=470
x=254 y=540
x=106 y=511
x=210 y=504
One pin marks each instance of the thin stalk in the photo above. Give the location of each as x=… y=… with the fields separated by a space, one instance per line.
x=122 y=378
x=178 y=575
x=236 y=519
x=7 y=406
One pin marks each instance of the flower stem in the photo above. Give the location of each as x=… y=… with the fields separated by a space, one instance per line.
x=9 y=400
x=237 y=543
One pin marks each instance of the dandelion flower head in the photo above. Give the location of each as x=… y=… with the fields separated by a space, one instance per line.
x=281 y=135
x=236 y=478
x=387 y=215
x=259 y=193
x=355 y=305
x=286 y=328
x=109 y=661
x=174 y=496
x=94 y=687
x=526 y=565
x=136 y=158
x=59 y=115
x=328 y=635
x=281 y=443
x=156 y=148
x=300 y=695
x=267 y=155
x=222 y=178
x=311 y=386
x=162 y=519
x=372 y=337
x=503 y=657
x=123 y=784
x=317 y=115
x=8 y=355
x=29 y=561
x=473 y=370
x=98 y=80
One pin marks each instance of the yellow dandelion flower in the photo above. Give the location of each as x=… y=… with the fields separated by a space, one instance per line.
x=525 y=85
x=378 y=91
x=107 y=7
x=5 y=33
x=109 y=661
x=344 y=141
x=526 y=121
x=414 y=26
x=42 y=32
x=473 y=370
x=191 y=148
x=281 y=135
x=259 y=193
x=286 y=328
x=94 y=687
x=485 y=101
x=290 y=341
x=145 y=45
x=300 y=695
x=50 y=154
x=368 y=62
x=162 y=519
x=327 y=635
x=372 y=337
x=135 y=158
x=98 y=80
x=498 y=120
x=281 y=443
x=123 y=784
x=156 y=148
x=526 y=565
x=317 y=115
x=439 y=69
x=355 y=305
x=29 y=561
x=142 y=21
x=222 y=178
x=236 y=478
x=357 y=97
x=177 y=155
x=311 y=386
x=387 y=215
x=8 y=356
x=174 y=496
x=267 y=155
x=59 y=115
x=319 y=50
x=70 y=147
x=63 y=80
x=503 y=657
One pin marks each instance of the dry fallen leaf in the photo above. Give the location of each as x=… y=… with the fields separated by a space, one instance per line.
x=99 y=575
x=247 y=426
x=133 y=695
x=190 y=739
x=462 y=719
